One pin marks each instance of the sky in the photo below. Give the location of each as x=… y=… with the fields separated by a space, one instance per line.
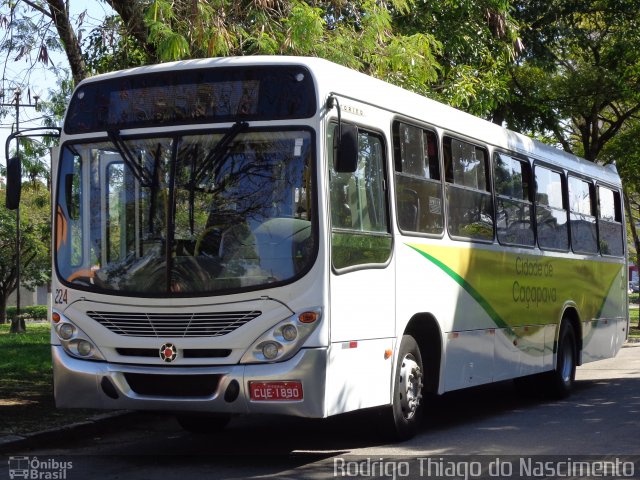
x=39 y=80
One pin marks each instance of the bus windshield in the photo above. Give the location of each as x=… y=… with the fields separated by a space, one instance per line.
x=197 y=214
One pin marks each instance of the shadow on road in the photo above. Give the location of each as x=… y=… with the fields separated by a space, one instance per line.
x=497 y=408
x=491 y=420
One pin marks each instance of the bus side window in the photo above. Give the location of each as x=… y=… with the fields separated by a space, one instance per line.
x=69 y=238
x=359 y=211
x=470 y=207
x=514 y=209
x=551 y=211
x=610 y=222
x=582 y=216
x=418 y=181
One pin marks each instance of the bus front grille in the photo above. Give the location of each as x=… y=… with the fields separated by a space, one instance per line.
x=173 y=385
x=186 y=353
x=167 y=325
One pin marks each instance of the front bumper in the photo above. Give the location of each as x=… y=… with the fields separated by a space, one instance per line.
x=87 y=384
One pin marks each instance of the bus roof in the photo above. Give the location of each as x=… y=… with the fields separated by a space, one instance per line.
x=332 y=78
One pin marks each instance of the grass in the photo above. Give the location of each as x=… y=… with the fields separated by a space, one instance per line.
x=634 y=331
x=26 y=389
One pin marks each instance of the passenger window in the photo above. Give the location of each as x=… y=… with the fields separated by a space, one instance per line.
x=514 y=208
x=470 y=208
x=582 y=216
x=551 y=213
x=610 y=222
x=418 y=184
x=360 y=228
x=69 y=240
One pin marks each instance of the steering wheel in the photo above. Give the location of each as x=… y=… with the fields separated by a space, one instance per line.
x=203 y=235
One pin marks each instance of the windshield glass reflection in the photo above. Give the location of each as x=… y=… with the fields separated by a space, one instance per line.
x=195 y=214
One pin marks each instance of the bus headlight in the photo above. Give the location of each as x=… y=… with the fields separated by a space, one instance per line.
x=270 y=350
x=84 y=348
x=66 y=331
x=289 y=332
x=74 y=341
x=285 y=339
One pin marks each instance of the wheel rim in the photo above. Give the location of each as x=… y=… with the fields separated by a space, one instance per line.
x=410 y=386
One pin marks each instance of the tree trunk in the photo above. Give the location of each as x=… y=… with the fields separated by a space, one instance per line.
x=3 y=309
x=632 y=225
x=68 y=38
x=132 y=14
x=18 y=325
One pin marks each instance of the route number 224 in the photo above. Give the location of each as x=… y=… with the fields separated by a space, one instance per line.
x=60 y=296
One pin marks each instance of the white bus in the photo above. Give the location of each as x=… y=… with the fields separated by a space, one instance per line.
x=287 y=236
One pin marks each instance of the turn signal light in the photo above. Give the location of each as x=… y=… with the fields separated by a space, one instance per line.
x=308 y=317
x=55 y=317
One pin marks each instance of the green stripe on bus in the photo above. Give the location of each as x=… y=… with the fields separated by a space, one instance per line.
x=604 y=300
x=497 y=319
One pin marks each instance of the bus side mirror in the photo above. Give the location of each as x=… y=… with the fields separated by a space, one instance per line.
x=347 y=149
x=14 y=183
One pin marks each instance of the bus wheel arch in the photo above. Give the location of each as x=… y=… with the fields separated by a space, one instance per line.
x=571 y=316
x=415 y=375
x=424 y=328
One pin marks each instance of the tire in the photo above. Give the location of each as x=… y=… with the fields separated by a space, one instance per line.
x=406 y=405
x=203 y=423
x=560 y=380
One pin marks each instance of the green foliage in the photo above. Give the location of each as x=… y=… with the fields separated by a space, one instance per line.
x=35 y=235
x=357 y=34
x=478 y=40
x=34 y=312
x=578 y=82
x=351 y=249
x=110 y=48
x=170 y=44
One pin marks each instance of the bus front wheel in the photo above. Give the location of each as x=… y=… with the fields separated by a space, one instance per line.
x=406 y=406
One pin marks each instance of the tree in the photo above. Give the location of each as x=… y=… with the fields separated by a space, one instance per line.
x=455 y=51
x=34 y=245
x=480 y=41
x=625 y=152
x=358 y=34
x=579 y=82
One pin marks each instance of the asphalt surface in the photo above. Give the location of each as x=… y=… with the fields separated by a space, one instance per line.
x=601 y=420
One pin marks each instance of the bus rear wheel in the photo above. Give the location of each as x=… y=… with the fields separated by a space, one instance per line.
x=406 y=406
x=560 y=380
x=203 y=423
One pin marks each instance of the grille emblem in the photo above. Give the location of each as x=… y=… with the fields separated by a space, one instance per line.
x=168 y=352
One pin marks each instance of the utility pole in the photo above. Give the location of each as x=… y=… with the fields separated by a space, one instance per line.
x=18 y=325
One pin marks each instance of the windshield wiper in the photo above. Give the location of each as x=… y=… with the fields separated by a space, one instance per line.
x=141 y=173
x=219 y=150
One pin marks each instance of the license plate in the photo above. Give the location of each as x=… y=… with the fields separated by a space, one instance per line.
x=275 y=391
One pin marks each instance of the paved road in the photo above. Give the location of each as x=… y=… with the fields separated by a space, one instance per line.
x=602 y=418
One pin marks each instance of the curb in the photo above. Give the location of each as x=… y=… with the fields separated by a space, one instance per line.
x=99 y=423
